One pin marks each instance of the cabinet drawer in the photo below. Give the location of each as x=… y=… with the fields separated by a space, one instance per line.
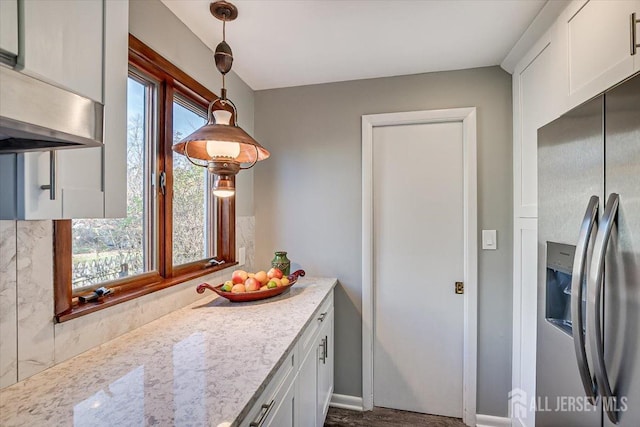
x=307 y=340
x=279 y=384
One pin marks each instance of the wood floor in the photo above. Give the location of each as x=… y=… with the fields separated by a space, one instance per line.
x=383 y=417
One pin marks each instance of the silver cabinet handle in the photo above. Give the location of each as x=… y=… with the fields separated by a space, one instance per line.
x=634 y=44
x=52 y=176
x=322 y=316
x=323 y=356
x=579 y=266
x=264 y=411
x=594 y=288
x=326 y=347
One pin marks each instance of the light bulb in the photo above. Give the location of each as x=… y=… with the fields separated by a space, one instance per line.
x=222 y=148
x=223 y=193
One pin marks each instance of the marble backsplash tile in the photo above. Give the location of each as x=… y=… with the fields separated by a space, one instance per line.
x=8 y=307
x=34 y=262
x=41 y=343
x=245 y=238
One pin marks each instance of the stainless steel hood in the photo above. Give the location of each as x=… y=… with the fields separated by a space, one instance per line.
x=37 y=116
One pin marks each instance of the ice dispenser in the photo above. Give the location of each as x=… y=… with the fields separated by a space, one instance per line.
x=559 y=268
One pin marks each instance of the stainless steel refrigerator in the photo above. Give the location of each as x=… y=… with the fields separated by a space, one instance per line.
x=588 y=339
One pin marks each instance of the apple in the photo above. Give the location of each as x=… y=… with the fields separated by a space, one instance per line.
x=285 y=281
x=239 y=276
x=278 y=281
x=274 y=272
x=272 y=284
x=261 y=277
x=227 y=286
x=238 y=288
x=252 y=284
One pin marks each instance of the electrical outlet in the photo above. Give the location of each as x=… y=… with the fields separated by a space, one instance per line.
x=242 y=256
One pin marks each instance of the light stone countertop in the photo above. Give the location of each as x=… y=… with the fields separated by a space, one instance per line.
x=203 y=365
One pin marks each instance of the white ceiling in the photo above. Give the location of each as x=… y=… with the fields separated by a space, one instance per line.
x=281 y=43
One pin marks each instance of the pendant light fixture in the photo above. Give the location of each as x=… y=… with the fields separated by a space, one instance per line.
x=221 y=143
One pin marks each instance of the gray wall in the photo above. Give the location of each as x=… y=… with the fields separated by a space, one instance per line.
x=308 y=199
x=154 y=24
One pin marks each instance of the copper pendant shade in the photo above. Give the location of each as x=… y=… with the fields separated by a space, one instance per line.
x=250 y=150
x=221 y=143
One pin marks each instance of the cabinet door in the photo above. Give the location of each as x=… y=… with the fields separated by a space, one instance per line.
x=283 y=414
x=116 y=69
x=325 y=369
x=8 y=31
x=306 y=394
x=94 y=180
x=598 y=39
x=34 y=171
x=80 y=175
x=63 y=44
x=539 y=82
x=525 y=308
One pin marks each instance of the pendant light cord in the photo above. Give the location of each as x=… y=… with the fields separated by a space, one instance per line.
x=224 y=39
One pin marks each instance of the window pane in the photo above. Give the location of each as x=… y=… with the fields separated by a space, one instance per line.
x=192 y=214
x=108 y=249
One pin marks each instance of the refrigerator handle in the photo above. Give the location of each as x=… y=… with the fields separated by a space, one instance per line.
x=594 y=289
x=589 y=225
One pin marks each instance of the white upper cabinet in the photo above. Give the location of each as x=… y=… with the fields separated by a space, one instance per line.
x=586 y=51
x=8 y=31
x=598 y=36
x=81 y=45
x=63 y=44
x=538 y=92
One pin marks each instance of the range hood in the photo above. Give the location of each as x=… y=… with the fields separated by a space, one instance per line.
x=37 y=116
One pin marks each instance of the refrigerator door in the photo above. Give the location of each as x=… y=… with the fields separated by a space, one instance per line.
x=622 y=262
x=570 y=172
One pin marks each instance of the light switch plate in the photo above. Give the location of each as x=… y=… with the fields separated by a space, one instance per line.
x=489 y=240
x=241 y=256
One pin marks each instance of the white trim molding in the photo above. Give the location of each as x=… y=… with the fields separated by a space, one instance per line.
x=344 y=401
x=492 y=421
x=467 y=116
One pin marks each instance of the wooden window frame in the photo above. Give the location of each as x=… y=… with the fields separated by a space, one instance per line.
x=172 y=81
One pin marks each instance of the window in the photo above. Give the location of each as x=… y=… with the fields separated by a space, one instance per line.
x=193 y=213
x=111 y=249
x=174 y=226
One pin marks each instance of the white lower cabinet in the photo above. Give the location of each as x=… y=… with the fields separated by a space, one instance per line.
x=284 y=413
x=325 y=369
x=300 y=391
x=307 y=389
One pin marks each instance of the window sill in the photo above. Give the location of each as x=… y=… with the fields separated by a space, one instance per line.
x=78 y=310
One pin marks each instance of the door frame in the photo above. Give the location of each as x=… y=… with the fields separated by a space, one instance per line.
x=468 y=118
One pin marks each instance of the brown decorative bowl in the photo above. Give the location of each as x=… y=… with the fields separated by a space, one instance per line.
x=252 y=296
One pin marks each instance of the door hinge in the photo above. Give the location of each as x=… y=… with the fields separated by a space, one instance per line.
x=459 y=288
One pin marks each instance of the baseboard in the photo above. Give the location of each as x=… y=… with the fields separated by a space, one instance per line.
x=344 y=401
x=492 y=421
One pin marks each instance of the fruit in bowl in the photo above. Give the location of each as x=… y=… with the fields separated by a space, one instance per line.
x=239 y=276
x=245 y=286
x=253 y=282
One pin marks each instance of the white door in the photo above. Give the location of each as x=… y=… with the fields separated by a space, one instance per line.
x=418 y=241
